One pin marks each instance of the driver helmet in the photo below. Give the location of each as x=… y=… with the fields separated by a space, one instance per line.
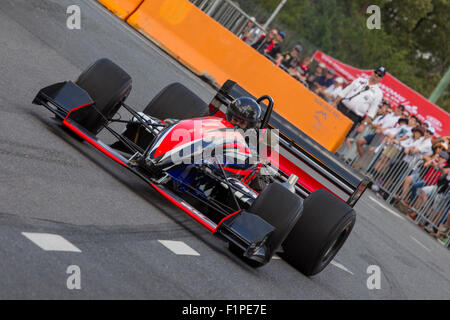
x=246 y=109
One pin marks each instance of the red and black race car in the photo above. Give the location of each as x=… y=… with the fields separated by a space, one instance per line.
x=295 y=199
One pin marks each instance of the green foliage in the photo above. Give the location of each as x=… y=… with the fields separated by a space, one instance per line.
x=412 y=43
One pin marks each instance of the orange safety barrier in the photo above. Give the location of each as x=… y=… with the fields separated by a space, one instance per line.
x=205 y=46
x=121 y=8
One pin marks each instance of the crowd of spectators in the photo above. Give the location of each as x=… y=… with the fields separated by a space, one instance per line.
x=394 y=137
x=407 y=154
x=321 y=81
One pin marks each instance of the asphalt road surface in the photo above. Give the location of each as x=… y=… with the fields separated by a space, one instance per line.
x=68 y=211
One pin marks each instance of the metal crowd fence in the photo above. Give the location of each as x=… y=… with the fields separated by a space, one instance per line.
x=401 y=179
x=229 y=15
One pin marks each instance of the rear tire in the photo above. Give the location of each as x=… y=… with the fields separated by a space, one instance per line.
x=108 y=85
x=321 y=231
x=178 y=102
x=174 y=101
x=279 y=207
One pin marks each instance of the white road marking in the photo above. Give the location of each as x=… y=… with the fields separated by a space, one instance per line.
x=276 y=257
x=419 y=243
x=387 y=208
x=340 y=266
x=179 y=247
x=50 y=242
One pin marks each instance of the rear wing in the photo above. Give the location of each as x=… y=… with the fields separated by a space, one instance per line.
x=316 y=167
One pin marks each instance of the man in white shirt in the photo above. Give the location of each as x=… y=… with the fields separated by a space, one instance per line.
x=361 y=98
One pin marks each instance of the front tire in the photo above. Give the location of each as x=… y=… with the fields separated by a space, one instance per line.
x=108 y=85
x=282 y=209
x=319 y=234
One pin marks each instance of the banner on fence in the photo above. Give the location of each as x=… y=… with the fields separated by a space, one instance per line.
x=396 y=92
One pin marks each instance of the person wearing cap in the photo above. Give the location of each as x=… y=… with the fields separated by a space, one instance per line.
x=289 y=60
x=414 y=141
x=361 y=98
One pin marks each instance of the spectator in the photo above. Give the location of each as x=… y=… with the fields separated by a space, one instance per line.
x=361 y=98
x=406 y=114
x=443 y=232
x=403 y=164
x=443 y=140
x=413 y=122
x=425 y=125
x=412 y=143
x=324 y=82
x=247 y=34
x=289 y=60
x=424 y=147
x=398 y=130
x=391 y=119
x=435 y=164
x=318 y=72
x=386 y=119
x=391 y=149
x=264 y=41
x=437 y=147
x=273 y=49
x=331 y=93
x=441 y=200
x=302 y=70
x=384 y=110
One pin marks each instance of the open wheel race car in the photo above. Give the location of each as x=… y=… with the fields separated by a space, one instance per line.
x=288 y=211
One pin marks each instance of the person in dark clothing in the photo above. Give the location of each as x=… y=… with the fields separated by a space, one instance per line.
x=288 y=60
x=265 y=40
x=318 y=72
x=274 y=49
x=323 y=82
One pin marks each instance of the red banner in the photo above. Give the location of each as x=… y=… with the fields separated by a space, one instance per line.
x=396 y=92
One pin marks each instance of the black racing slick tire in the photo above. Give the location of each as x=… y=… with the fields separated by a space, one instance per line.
x=108 y=85
x=177 y=102
x=279 y=207
x=319 y=234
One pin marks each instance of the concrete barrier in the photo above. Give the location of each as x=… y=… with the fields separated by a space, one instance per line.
x=206 y=47
x=121 y=8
